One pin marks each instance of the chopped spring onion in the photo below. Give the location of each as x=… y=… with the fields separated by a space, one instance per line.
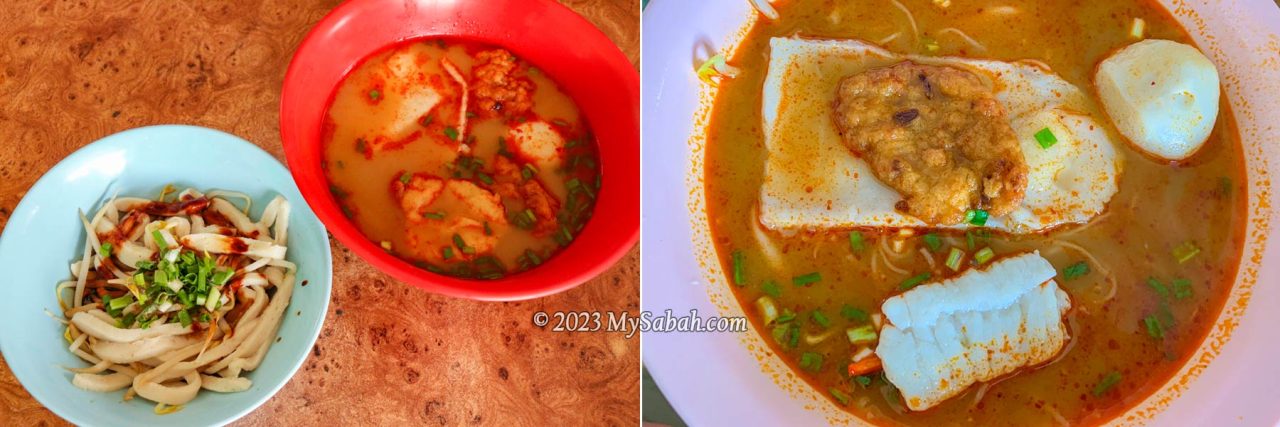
x=933 y=241
x=1075 y=271
x=213 y=300
x=954 y=258
x=1154 y=327
x=1138 y=29
x=856 y=242
x=375 y=94
x=914 y=281
x=787 y=316
x=811 y=361
x=221 y=277
x=771 y=288
x=984 y=255
x=139 y=279
x=446 y=252
x=160 y=242
x=930 y=45
x=433 y=215
x=862 y=334
x=451 y=133
x=976 y=217
x=1181 y=288
x=738 y=265
x=768 y=309
x=839 y=395
x=461 y=244
x=105 y=249
x=184 y=317
x=1185 y=251
x=1046 y=138
x=854 y=313
x=405 y=177
x=1160 y=288
x=120 y=302
x=807 y=279
x=1106 y=384
x=819 y=318
x=716 y=66
x=863 y=380
x=485 y=178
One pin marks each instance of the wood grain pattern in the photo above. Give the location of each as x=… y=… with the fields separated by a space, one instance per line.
x=74 y=71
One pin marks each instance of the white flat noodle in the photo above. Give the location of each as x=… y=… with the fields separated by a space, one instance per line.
x=812 y=181
x=940 y=338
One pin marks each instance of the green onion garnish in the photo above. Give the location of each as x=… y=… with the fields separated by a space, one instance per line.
x=105 y=249
x=854 y=313
x=862 y=334
x=738 y=265
x=708 y=68
x=914 y=281
x=375 y=94
x=839 y=395
x=488 y=231
x=1046 y=138
x=451 y=133
x=426 y=120
x=954 y=258
x=794 y=341
x=120 y=302
x=1154 y=328
x=184 y=318
x=139 y=279
x=220 y=278
x=446 y=252
x=863 y=380
x=811 y=361
x=433 y=215
x=1185 y=251
x=771 y=288
x=405 y=177
x=933 y=241
x=807 y=279
x=485 y=178
x=984 y=255
x=1158 y=287
x=976 y=217
x=528 y=214
x=856 y=242
x=1181 y=288
x=160 y=242
x=819 y=318
x=1075 y=271
x=1106 y=384
x=787 y=316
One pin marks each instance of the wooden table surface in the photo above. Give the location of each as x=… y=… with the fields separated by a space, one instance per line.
x=74 y=71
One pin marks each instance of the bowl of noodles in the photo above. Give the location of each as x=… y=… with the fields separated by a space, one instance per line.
x=151 y=287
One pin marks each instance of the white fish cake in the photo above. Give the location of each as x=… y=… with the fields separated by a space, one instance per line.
x=812 y=181
x=943 y=337
x=1163 y=96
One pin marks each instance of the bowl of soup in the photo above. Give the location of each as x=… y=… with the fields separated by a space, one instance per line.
x=465 y=148
x=963 y=213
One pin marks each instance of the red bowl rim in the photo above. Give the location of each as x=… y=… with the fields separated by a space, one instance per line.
x=609 y=62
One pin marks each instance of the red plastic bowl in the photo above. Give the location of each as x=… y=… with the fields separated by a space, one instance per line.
x=559 y=42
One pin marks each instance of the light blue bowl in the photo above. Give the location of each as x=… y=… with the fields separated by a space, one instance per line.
x=44 y=236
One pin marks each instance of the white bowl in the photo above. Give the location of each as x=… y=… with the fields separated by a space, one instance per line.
x=710 y=378
x=44 y=236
